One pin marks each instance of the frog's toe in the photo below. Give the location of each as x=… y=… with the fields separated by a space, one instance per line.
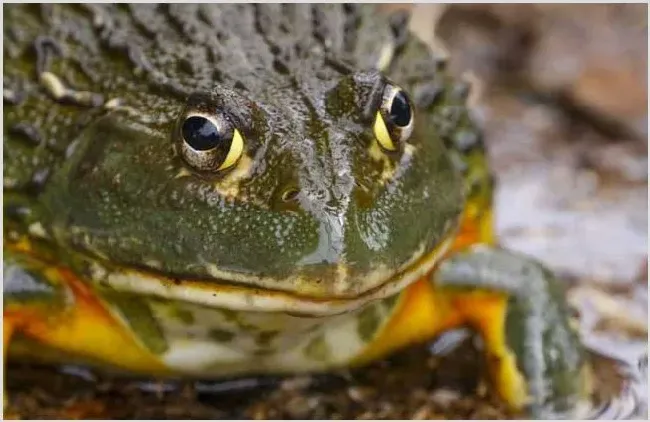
x=538 y=330
x=534 y=355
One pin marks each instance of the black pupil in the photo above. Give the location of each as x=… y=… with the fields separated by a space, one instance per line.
x=400 y=111
x=200 y=133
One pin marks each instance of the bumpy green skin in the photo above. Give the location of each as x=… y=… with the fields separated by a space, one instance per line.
x=95 y=169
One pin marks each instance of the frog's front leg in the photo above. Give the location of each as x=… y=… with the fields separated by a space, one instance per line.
x=49 y=313
x=534 y=356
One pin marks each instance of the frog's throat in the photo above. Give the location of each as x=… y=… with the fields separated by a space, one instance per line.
x=243 y=298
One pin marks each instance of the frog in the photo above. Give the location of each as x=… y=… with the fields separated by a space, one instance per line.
x=213 y=190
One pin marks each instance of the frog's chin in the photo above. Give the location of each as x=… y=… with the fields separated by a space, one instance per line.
x=238 y=297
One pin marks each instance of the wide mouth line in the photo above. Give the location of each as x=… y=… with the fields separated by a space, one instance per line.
x=214 y=292
x=224 y=293
x=217 y=284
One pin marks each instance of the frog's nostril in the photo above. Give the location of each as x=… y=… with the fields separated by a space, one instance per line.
x=290 y=195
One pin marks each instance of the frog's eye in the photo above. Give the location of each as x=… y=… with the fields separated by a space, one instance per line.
x=210 y=143
x=394 y=119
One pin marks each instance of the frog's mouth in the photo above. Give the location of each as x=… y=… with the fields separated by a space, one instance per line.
x=244 y=298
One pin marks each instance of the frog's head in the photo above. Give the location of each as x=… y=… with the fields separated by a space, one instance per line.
x=296 y=191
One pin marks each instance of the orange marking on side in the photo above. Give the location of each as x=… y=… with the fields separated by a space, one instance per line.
x=8 y=326
x=474 y=229
x=426 y=312
x=85 y=328
x=421 y=315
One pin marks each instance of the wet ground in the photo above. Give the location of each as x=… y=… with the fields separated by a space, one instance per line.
x=563 y=100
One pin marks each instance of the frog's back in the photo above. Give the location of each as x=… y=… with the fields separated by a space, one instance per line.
x=67 y=64
x=147 y=53
x=152 y=57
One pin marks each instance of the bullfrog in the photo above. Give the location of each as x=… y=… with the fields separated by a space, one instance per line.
x=213 y=191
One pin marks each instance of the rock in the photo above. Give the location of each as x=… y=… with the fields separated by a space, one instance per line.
x=593 y=57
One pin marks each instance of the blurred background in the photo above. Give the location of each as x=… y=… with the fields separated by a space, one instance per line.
x=561 y=92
